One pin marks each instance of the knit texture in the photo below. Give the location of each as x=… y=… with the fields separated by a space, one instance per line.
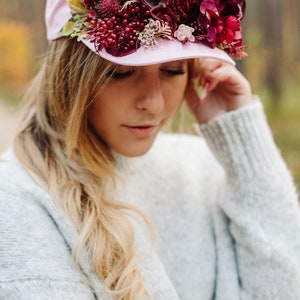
x=224 y=207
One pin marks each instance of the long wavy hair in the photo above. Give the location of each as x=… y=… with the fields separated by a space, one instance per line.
x=58 y=147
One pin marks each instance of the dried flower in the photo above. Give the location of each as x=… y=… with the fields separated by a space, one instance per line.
x=108 y=8
x=151 y=3
x=165 y=14
x=184 y=33
x=152 y=31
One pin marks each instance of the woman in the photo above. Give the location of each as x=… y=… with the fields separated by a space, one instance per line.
x=97 y=204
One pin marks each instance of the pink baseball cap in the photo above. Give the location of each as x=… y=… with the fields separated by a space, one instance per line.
x=144 y=32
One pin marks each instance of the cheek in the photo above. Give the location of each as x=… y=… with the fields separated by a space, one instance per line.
x=176 y=93
x=98 y=116
x=104 y=106
x=181 y=85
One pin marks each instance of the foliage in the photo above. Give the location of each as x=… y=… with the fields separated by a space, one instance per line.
x=16 y=56
x=284 y=121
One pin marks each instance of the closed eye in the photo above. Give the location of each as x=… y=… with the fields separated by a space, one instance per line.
x=118 y=75
x=174 y=72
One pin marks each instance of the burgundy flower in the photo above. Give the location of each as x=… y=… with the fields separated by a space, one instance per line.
x=204 y=31
x=229 y=31
x=108 y=8
x=210 y=21
x=224 y=8
x=88 y=3
x=210 y=8
x=233 y=8
x=165 y=14
x=222 y=21
x=186 y=11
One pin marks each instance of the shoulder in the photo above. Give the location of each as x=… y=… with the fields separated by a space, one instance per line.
x=32 y=246
x=17 y=190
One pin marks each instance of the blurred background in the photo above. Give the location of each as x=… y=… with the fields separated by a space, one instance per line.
x=271 y=28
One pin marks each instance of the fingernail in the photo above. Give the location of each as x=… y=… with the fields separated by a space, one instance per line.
x=203 y=93
x=198 y=86
x=204 y=89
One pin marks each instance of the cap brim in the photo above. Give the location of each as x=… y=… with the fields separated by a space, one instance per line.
x=165 y=51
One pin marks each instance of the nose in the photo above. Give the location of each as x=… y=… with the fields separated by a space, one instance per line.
x=150 y=97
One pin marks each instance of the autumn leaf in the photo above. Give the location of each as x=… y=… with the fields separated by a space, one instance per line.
x=77 y=6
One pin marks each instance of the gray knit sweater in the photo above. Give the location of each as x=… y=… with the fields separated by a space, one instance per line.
x=224 y=207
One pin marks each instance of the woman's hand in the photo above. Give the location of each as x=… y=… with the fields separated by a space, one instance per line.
x=223 y=87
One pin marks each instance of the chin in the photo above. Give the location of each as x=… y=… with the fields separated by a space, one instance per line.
x=134 y=149
x=133 y=153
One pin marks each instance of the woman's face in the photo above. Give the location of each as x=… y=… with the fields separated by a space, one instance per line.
x=131 y=110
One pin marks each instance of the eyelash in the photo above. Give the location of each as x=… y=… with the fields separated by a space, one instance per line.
x=174 y=72
x=119 y=75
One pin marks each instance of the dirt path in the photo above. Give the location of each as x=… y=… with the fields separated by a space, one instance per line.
x=8 y=126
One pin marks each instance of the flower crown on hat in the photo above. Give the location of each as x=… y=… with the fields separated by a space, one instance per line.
x=122 y=26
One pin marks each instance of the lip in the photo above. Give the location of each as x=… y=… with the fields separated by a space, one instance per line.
x=141 y=131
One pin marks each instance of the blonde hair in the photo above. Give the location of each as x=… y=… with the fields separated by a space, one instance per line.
x=58 y=147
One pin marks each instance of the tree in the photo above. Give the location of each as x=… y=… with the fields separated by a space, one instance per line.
x=31 y=13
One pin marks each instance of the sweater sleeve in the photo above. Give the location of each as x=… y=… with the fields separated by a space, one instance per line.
x=259 y=203
x=35 y=260
x=44 y=289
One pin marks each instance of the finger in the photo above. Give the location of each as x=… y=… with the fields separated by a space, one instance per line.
x=226 y=75
x=208 y=65
x=207 y=69
x=230 y=86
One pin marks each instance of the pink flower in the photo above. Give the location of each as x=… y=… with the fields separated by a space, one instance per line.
x=223 y=20
x=184 y=33
x=223 y=8
x=210 y=8
x=229 y=31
